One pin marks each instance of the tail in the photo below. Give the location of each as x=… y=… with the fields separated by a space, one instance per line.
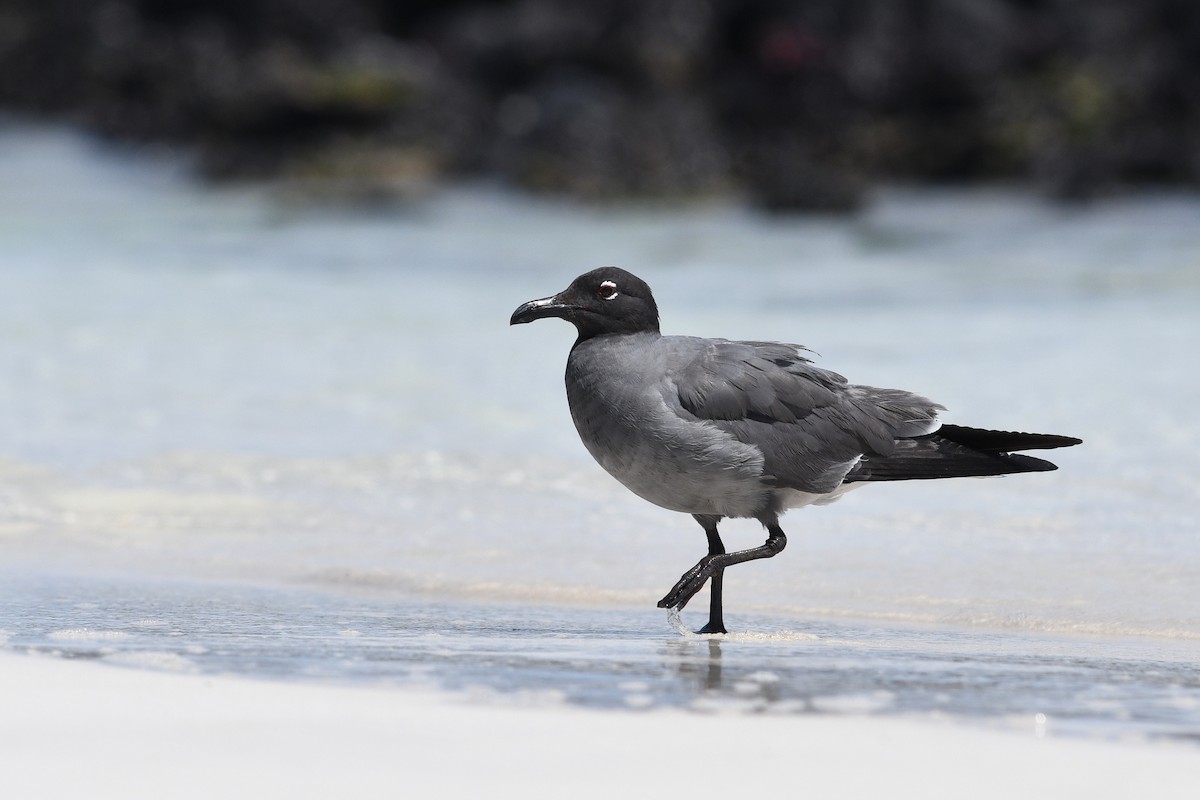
x=953 y=451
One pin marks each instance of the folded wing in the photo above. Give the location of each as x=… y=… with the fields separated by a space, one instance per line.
x=811 y=425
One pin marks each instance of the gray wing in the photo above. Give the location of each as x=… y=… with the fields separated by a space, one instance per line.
x=811 y=424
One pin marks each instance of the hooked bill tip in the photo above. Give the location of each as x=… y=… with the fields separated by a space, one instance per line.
x=536 y=309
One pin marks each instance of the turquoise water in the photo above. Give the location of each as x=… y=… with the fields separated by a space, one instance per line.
x=318 y=421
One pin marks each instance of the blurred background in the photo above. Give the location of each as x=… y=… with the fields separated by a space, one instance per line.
x=791 y=105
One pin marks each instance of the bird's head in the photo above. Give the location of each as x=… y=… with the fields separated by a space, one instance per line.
x=605 y=300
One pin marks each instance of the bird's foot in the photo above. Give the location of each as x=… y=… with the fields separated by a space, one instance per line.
x=692 y=581
x=709 y=627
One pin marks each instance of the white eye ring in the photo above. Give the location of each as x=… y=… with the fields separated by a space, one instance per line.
x=607 y=291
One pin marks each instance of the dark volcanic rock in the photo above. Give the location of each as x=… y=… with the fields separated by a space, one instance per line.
x=798 y=105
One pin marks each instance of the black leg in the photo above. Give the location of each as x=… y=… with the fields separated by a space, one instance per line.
x=716 y=618
x=711 y=565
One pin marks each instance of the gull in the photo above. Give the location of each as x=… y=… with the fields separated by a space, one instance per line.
x=730 y=429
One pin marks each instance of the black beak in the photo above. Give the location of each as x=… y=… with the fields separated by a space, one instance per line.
x=540 y=309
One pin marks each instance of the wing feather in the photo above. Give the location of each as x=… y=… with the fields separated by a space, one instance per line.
x=811 y=424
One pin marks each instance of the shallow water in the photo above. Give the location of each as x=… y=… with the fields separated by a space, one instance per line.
x=307 y=444
x=615 y=658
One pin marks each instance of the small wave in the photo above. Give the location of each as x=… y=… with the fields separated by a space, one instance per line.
x=86 y=635
x=500 y=591
x=987 y=620
x=675 y=621
x=151 y=659
x=865 y=703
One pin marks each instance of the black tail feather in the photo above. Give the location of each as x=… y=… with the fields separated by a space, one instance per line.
x=954 y=451
x=1003 y=441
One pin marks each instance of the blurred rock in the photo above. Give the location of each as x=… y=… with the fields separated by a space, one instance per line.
x=795 y=105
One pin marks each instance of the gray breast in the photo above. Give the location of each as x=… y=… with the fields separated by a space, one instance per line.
x=627 y=413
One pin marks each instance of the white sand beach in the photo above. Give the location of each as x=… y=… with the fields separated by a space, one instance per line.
x=71 y=729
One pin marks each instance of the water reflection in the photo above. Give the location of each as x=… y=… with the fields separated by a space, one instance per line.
x=696 y=663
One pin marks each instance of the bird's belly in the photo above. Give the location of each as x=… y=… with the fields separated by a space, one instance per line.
x=683 y=487
x=794 y=498
x=680 y=465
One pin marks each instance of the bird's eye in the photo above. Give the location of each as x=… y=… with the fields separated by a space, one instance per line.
x=607 y=290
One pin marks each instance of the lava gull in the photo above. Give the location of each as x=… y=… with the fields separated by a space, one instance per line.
x=717 y=428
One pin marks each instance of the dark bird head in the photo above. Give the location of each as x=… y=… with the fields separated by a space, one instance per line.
x=605 y=300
